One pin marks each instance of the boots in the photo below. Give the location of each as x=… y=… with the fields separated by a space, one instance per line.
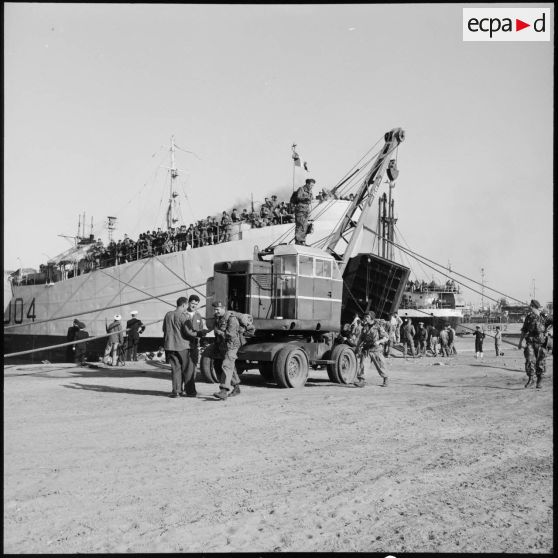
x=530 y=382
x=385 y=384
x=221 y=394
x=539 y=382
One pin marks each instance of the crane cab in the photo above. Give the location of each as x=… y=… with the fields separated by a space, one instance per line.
x=298 y=289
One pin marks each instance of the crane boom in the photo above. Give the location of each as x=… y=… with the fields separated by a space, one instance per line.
x=348 y=230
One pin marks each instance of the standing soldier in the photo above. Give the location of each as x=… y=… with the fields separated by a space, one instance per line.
x=114 y=341
x=204 y=234
x=134 y=326
x=451 y=340
x=497 y=341
x=407 y=337
x=479 y=337
x=535 y=332
x=303 y=200
x=421 y=336
x=390 y=329
x=225 y=349
x=444 y=341
x=432 y=339
x=226 y=227
x=370 y=342
x=396 y=322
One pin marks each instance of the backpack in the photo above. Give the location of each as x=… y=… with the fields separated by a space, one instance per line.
x=246 y=322
x=294 y=198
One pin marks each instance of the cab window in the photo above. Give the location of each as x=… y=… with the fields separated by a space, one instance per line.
x=323 y=268
x=306 y=265
x=286 y=264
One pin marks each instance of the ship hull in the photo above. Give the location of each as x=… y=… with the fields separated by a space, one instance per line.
x=40 y=315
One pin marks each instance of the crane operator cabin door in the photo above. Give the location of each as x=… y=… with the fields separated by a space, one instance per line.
x=285 y=269
x=237 y=293
x=323 y=289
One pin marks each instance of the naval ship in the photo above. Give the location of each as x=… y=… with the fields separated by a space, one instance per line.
x=40 y=312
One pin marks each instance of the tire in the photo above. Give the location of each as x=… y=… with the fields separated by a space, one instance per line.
x=266 y=370
x=290 y=367
x=208 y=371
x=344 y=368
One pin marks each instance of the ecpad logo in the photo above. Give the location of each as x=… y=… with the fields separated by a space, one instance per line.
x=506 y=24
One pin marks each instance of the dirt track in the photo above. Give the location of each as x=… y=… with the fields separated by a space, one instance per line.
x=447 y=459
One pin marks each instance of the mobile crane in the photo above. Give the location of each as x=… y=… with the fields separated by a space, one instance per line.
x=299 y=295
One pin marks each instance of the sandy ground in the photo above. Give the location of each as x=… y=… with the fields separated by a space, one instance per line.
x=454 y=458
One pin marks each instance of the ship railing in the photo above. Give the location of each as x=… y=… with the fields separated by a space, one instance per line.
x=194 y=238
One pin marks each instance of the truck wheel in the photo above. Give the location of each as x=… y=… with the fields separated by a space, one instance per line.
x=208 y=371
x=290 y=367
x=344 y=368
x=266 y=370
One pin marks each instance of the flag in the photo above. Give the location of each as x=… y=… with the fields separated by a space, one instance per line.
x=296 y=158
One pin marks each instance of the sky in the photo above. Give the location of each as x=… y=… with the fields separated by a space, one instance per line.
x=94 y=92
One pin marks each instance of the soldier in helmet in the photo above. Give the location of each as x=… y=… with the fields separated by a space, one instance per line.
x=534 y=332
x=370 y=342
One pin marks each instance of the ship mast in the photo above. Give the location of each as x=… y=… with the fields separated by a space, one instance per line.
x=171 y=211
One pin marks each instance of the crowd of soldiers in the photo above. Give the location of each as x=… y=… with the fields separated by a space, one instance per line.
x=205 y=232
x=424 y=287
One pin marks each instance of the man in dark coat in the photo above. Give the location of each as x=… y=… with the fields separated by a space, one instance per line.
x=135 y=327
x=70 y=336
x=80 y=348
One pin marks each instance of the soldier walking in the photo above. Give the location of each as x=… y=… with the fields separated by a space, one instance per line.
x=370 y=342
x=444 y=341
x=535 y=333
x=303 y=200
x=225 y=349
x=451 y=340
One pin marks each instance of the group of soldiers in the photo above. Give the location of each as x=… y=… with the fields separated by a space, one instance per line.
x=375 y=338
x=205 y=232
x=368 y=336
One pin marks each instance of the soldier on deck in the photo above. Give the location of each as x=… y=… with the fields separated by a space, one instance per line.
x=535 y=332
x=370 y=342
x=303 y=201
x=226 y=227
